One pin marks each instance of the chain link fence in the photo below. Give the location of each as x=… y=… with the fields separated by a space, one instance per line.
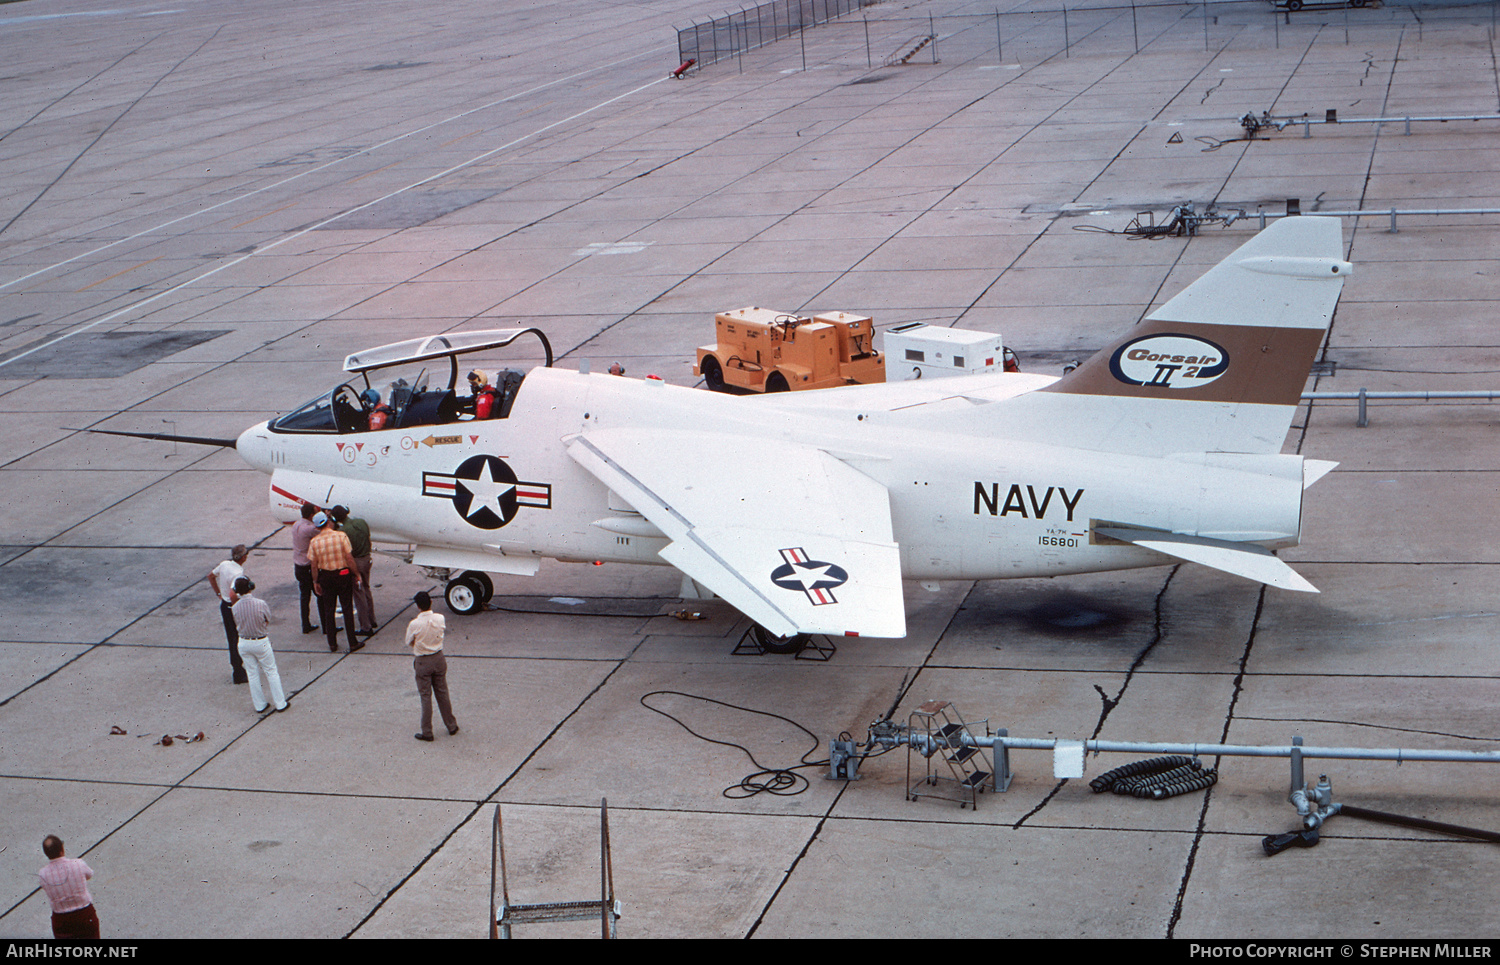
x=883 y=35
x=747 y=29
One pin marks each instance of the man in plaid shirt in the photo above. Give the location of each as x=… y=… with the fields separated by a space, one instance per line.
x=334 y=575
x=65 y=880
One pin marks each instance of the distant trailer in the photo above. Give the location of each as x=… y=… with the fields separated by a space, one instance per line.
x=917 y=350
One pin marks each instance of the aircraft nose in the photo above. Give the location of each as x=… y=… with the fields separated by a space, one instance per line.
x=254 y=446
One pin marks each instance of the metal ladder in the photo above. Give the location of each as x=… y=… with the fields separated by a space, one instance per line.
x=915 y=44
x=967 y=768
x=507 y=915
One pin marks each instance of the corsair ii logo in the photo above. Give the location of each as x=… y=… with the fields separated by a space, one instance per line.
x=1168 y=360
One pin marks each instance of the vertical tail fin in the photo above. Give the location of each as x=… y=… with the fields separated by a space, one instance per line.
x=1221 y=366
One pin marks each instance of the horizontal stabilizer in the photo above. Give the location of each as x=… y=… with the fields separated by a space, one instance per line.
x=1240 y=559
x=1315 y=469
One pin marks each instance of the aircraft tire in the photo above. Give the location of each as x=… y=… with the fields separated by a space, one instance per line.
x=771 y=643
x=483 y=579
x=464 y=595
x=713 y=373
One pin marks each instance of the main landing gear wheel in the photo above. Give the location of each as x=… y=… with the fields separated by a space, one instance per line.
x=483 y=579
x=465 y=595
x=771 y=643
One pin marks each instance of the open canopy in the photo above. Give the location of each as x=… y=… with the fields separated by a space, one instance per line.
x=439 y=346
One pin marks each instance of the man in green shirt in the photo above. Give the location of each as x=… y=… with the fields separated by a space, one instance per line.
x=358 y=532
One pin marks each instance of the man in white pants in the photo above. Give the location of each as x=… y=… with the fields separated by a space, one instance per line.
x=252 y=617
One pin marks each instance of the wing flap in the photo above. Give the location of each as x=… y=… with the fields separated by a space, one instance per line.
x=1240 y=559
x=792 y=537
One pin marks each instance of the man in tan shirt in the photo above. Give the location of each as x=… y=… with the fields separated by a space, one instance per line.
x=425 y=637
x=334 y=575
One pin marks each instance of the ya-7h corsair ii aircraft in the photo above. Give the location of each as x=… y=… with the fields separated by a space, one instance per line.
x=807 y=510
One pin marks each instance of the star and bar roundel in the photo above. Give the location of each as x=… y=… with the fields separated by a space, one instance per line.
x=814 y=577
x=486 y=492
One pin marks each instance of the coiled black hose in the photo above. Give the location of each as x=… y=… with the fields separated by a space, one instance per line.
x=1155 y=765
x=1157 y=778
x=1200 y=781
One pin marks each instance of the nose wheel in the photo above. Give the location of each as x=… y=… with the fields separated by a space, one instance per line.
x=468 y=592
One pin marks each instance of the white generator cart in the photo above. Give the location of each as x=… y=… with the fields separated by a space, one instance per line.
x=917 y=350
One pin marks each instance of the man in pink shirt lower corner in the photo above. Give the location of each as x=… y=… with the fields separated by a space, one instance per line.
x=65 y=880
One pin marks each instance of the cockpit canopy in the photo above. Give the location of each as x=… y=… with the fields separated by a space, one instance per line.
x=404 y=397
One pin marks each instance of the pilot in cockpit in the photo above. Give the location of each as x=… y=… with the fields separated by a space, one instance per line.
x=485 y=396
x=380 y=413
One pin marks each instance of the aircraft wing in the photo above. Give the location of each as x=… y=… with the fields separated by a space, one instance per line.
x=1241 y=559
x=790 y=536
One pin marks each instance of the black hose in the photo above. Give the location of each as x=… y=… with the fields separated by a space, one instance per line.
x=1157 y=779
x=1422 y=823
x=1200 y=781
x=1156 y=765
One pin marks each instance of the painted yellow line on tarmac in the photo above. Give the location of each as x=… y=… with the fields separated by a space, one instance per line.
x=266 y=215
x=119 y=273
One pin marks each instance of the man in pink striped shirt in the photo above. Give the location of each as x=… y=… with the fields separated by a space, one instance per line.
x=65 y=880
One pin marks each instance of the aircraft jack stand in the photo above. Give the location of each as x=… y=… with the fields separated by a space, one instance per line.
x=507 y=915
x=757 y=640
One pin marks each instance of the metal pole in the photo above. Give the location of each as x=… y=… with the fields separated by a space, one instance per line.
x=1401 y=754
x=868 y=62
x=1134 y=27
x=999 y=43
x=1066 y=42
x=1470 y=395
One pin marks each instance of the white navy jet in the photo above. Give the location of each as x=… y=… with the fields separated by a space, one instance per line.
x=807 y=510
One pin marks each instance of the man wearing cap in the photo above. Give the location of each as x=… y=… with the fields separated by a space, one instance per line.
x=358 y=532
x=252 y=617
x=334 y=575
x=425 y=637
x=222 y=578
